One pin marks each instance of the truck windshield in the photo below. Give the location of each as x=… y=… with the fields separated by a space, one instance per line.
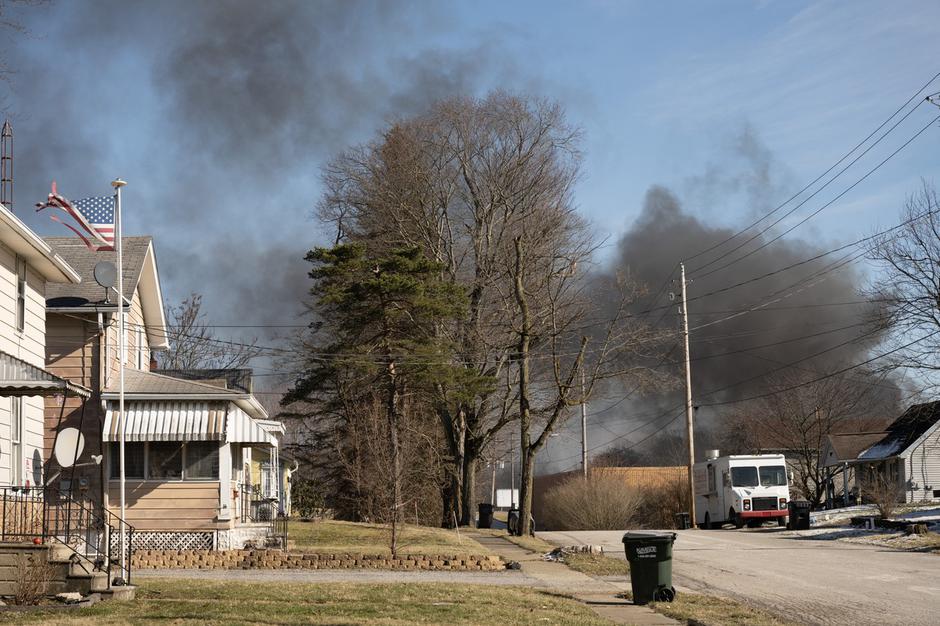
x=743 y=476
x=773 y=476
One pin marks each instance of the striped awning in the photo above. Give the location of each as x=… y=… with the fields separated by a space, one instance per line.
x=242 y=428
x=163 y=420
x=19 y=378
x=166 y=421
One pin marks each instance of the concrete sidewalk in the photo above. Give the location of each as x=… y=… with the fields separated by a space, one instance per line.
x=600 y=595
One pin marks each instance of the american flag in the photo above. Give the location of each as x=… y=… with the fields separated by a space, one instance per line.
x=95 y=216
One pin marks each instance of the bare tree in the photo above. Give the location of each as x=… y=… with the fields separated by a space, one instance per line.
x=465 y=182
x=193 y=344
x=909 y=286
x=797 y=417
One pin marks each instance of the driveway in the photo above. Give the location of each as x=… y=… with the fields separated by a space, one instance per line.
x=812 y=581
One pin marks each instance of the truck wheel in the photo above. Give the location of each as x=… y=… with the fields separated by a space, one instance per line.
x=736 y=519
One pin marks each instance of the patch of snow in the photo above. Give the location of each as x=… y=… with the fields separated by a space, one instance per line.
x=882 y=450
x=922 y=514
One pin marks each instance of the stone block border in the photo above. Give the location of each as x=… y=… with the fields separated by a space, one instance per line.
x=279 y=559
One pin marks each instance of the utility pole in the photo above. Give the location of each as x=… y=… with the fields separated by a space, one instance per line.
x=584 y=445
x=493 y=490
x=688 y=395
x=512 y=475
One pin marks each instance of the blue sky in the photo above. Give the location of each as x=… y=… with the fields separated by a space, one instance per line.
x=732 y=105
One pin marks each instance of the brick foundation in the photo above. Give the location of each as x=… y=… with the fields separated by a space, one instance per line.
x=278 y=559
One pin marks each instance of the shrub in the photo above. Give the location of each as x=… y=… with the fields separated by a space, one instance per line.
x=884 y=492
x=33 y=577
x=600 y=502
x=661 y=503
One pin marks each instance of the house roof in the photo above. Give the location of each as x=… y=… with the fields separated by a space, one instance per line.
x=137 y=382
x=83 y=259
x=847 y=446
x=904 y=431
x=140 y=271
x=142 y=385
x=233 y=378
x=18 y=237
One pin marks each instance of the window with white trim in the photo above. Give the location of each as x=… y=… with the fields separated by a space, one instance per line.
x=166 y=460
x=16 y=440
x=20 y=293
x=139 y=344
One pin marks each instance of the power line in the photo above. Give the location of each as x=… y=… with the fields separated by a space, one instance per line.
x=821 y=176
x=814 y=213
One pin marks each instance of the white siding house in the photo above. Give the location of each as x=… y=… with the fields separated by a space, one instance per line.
x=909 y=453
x=27 y=263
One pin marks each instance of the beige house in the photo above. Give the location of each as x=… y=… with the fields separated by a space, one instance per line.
x=27 y=266
x=187 y=483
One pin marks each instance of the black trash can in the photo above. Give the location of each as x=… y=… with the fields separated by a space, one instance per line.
x=485 y=519
x=650 y=557
x=682 y=521
x=512 y=521
x=798 y=515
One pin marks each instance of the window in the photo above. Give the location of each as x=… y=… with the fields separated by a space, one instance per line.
x=108 y=355
x=16 y=440
x=20 y=293
x=202 y=459
x=133 y=460
x=711 y=479
x=743 y=476
x=164 y=460
x=167 y=460
x=773 y=476
x=139 y=345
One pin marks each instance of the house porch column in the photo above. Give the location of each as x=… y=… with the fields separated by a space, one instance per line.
x=225 y=482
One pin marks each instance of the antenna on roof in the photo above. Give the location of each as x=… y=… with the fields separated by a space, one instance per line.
x=6 y=165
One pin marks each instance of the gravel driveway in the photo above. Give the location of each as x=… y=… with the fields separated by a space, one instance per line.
x=812 y=581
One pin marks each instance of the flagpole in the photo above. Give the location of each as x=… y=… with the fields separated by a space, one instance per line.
x=117 y=184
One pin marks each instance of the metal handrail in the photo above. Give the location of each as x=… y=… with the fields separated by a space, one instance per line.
x=46 y=513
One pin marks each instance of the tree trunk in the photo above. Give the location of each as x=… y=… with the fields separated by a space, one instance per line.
x=468 y=489
x=525 y=493
x=525 y=416
x=392 y=413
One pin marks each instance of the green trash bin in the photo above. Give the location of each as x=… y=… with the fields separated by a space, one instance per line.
x=650 y=557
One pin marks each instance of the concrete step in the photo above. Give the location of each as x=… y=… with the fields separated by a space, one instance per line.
x=88 y=583
x=121 y=594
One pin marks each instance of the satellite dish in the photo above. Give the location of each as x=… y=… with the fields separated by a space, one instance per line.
x=105 y=274
x=69 y=444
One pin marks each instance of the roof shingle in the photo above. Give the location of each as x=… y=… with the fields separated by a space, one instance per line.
x=83 y=260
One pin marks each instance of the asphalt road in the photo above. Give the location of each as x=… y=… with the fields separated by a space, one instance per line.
x=811 y=581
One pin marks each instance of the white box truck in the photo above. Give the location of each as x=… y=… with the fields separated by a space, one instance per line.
x=740 y=489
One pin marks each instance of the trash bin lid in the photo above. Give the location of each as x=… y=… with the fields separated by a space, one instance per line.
x=648 y=536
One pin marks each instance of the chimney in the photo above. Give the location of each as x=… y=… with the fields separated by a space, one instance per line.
x=6 y=165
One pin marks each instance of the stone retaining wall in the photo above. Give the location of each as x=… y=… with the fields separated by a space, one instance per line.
x=277 y=559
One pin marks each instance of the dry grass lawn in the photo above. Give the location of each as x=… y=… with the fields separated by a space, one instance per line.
x=692 y=608
x=182 y=601
x=597 y=565
x=336 y=536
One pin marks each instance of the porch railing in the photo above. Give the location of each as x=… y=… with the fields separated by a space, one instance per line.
x=256 y=507
x=44 y=513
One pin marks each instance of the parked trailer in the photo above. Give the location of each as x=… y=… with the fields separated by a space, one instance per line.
x=740 y=489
